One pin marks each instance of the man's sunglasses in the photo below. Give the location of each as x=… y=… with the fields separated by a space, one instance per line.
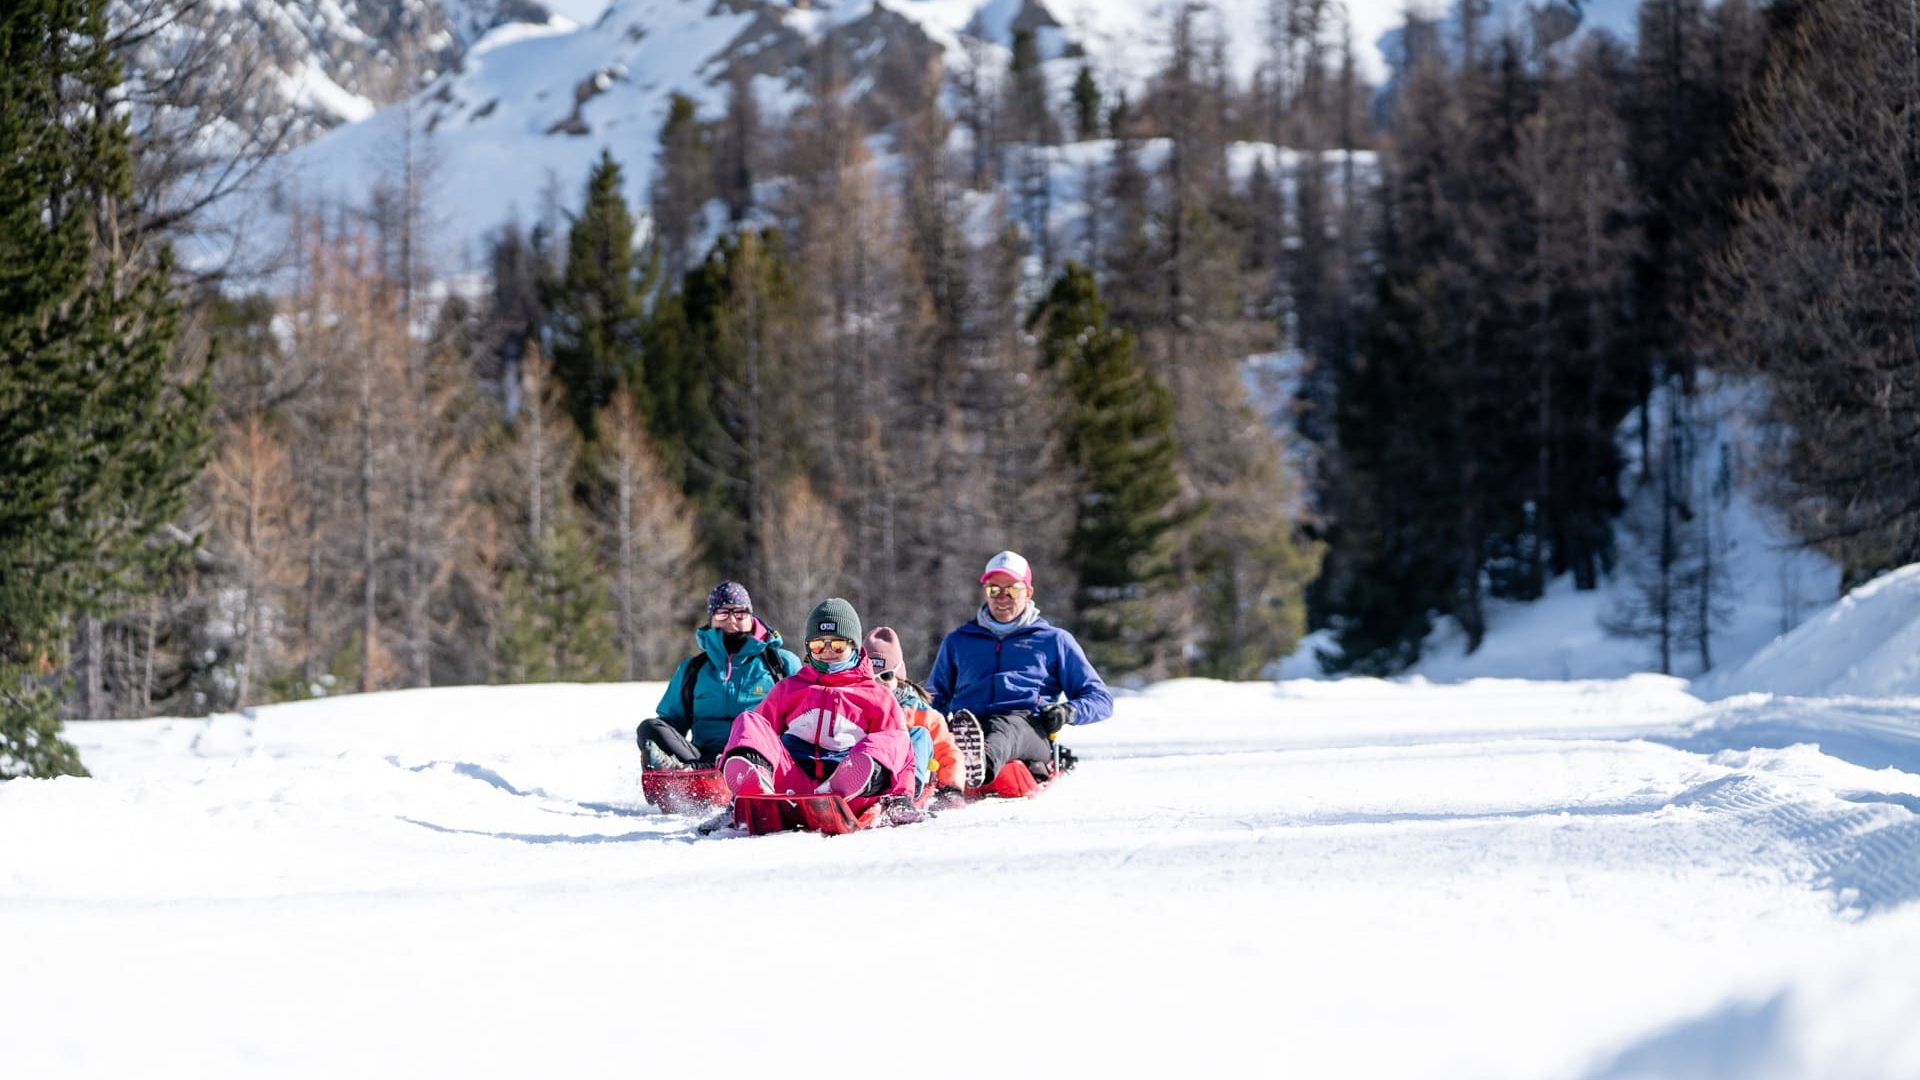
x=1015 y=589
x=731 y=612
x=836 y=646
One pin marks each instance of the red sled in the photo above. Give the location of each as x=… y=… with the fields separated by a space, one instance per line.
x=827 y=814
x=684 y=791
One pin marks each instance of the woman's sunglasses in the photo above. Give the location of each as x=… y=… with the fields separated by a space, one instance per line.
x=731 y=612
x=822 y=646
x=880 y=669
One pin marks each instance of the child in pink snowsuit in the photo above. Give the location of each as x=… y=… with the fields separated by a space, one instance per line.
x=831 y=728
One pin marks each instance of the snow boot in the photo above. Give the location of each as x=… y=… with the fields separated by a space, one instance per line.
x=899 y=810
x=971 y=739
x=747 y=777
x=860 y=777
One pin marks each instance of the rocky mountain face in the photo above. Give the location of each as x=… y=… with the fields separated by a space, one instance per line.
x=296 y=67
x=514 y=119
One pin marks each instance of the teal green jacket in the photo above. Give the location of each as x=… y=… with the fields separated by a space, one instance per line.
x=724 y=686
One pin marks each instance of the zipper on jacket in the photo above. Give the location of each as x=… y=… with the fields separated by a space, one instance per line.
x=819 y=737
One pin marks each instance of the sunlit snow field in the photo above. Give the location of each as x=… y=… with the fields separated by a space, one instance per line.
x=1494 y=879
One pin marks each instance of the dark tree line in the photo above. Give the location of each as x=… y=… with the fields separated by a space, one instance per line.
x=1819 y=289
x=1549 y=213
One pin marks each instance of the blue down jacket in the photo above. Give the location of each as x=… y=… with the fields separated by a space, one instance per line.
x=1031 y=667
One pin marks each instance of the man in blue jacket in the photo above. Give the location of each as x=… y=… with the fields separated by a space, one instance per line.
x=1021 y=676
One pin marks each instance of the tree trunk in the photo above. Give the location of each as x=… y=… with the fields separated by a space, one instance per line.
x=624 y=495
x=89 y=667
x=250 y=577
x=369 y=580
x=153 y=642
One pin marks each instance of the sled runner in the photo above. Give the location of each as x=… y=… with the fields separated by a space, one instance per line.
x=684 y=791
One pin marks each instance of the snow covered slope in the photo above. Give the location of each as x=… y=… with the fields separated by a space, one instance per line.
x=1496 y=879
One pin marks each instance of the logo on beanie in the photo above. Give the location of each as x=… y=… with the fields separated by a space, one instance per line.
x=829 y=626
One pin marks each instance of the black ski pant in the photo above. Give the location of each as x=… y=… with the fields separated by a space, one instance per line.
x=661 y=744
x=1015 y=737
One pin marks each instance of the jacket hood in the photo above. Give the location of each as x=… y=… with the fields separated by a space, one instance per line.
x=972 y=626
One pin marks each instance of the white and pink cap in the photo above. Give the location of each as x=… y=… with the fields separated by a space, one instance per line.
x=1011 y=563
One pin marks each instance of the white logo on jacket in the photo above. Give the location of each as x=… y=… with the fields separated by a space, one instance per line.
x=840 y=732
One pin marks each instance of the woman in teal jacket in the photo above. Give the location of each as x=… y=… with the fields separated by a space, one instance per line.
x=739 y=660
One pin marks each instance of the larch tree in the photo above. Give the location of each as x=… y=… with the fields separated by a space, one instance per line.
x=643 y=518
x=556 y=619
x=253 y=530
x=1034 y=132
x=1817 y=287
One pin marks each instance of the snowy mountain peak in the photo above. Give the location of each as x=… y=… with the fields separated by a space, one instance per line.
x=309 y=65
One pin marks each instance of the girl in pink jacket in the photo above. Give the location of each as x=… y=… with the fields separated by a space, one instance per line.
x=831 y=728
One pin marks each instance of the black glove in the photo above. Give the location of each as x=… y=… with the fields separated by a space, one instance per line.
x=948 y=798
x=1054 y=717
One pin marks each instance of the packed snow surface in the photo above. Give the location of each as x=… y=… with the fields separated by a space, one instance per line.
x=1500 y=878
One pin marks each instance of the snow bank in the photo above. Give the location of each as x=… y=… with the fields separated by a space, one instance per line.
x=1865 y=645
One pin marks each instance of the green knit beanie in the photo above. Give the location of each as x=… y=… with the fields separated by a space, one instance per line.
x=834 y=617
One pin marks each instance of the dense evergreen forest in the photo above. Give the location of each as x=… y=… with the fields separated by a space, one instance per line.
x=888 y=365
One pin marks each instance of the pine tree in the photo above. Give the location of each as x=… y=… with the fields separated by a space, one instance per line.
x=515 y=310
x=98 y=440
x=678 y=403
x=597 y=308
x=1086 y=105
x=1386 y=572
x=683 y=181
x=1118 y=422
x=735 y=147
x=1579 y=274
x=722 y=355
x=557 y=624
